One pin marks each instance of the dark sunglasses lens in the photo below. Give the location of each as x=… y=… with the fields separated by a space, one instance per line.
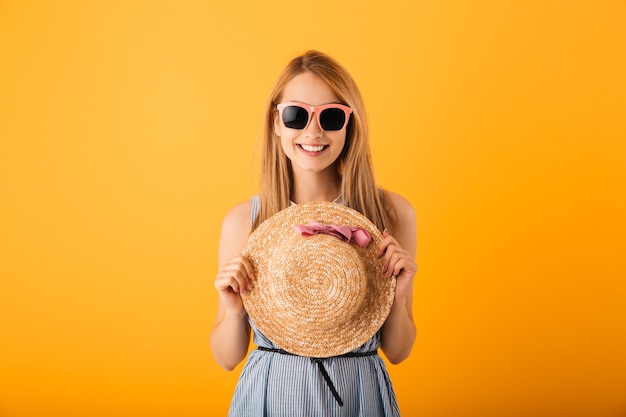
x=295 y=117
x=332 y=119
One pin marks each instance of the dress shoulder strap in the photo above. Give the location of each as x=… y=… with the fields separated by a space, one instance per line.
x=254 y=201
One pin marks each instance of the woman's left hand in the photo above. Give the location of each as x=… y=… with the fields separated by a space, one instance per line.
x=397 y=262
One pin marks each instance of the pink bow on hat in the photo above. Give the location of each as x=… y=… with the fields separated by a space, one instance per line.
x=360 y=236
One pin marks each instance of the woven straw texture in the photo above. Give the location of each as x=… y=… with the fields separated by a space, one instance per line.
x=316 y=296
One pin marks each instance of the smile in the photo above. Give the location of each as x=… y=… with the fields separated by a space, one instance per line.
x=312 y=148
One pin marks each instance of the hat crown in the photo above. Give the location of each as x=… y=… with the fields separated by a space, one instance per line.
x=330 y=277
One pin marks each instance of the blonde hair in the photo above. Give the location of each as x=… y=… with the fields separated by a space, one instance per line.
x=355 y=169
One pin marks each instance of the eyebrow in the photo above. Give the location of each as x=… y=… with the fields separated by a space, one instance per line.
x=298 y=101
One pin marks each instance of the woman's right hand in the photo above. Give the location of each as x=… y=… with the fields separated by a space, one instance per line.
x=233 y=279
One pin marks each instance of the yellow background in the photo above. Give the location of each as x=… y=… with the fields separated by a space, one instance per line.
x=128 y=128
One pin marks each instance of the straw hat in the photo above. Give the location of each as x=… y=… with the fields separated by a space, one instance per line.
x=316 y=295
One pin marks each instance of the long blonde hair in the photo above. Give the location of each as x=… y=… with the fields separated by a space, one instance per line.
x=355 y=169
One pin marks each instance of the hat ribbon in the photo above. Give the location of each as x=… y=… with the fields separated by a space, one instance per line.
x=346 y=233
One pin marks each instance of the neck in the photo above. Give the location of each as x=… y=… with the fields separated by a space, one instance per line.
x=315 y=186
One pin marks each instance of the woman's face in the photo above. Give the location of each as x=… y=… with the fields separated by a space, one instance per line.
x=311 y=148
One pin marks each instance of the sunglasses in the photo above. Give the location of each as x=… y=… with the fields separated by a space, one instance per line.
x=298 y=115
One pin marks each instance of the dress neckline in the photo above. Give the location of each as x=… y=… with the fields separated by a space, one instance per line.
x=337 y=200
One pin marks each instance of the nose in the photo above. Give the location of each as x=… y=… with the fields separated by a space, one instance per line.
x=314 y=129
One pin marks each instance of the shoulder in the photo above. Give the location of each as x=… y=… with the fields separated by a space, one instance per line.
x=238 y=217
x=235 y=230
x=402 y=215
x=399 y=208
x=239 y=211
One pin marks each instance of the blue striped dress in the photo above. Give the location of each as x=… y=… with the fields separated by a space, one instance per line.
x=273 y=384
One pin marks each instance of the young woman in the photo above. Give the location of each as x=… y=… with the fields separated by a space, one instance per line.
x=315 y=149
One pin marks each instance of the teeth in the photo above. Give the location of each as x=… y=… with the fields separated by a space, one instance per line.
x=312 y=148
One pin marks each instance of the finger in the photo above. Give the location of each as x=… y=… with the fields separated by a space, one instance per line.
x=397 y=268
x=387 y=256
x=233 y=278
x=396 y=260
x=242 y=268
x=227 y=283
x=393 y=260
x=384 y=253
x=248 y=267
x=384 y=245
x=246 y=272
x=405 y=266
x=385 y=242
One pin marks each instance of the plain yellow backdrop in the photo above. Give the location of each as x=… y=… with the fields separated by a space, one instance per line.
x=128 y=129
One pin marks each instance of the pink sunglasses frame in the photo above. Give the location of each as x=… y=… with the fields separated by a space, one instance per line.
x=314 y=109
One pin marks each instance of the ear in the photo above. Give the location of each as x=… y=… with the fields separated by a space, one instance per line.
x=277 y=124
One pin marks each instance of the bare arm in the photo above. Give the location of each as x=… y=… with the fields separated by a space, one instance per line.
x=231 y=333
x=398 y=256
